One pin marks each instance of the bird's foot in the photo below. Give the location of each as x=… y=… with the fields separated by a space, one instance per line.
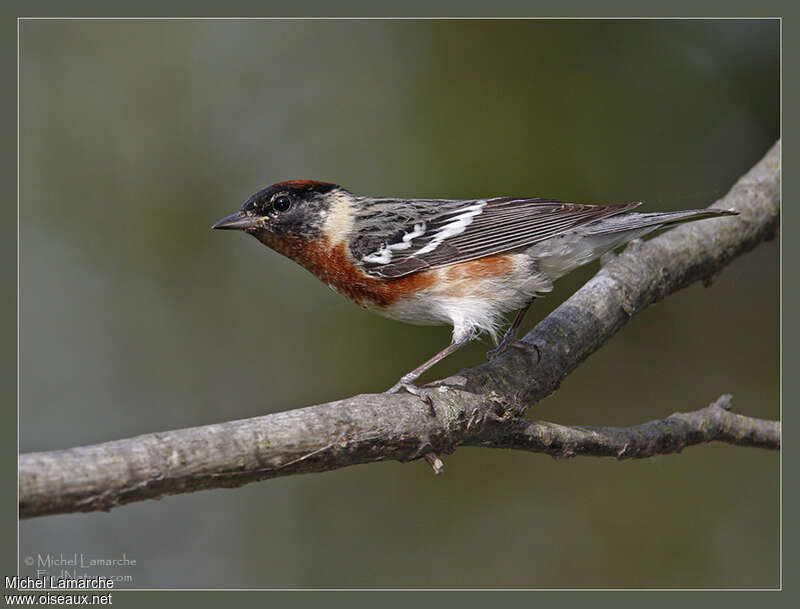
x=405 y=384
x=510 y=341
x=513 y=344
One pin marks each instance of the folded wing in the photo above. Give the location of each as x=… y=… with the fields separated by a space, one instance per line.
x=462 y=231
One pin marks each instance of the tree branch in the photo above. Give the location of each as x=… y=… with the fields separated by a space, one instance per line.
x=481 y=406
x=661 y=437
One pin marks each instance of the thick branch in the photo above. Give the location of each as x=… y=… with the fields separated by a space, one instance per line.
x=480 y=406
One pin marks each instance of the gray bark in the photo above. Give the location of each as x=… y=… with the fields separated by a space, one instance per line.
x=481 y=406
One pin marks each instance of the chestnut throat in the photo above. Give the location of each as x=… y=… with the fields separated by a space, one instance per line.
x=335 y=267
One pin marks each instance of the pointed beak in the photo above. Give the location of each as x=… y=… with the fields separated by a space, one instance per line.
x=238 y=221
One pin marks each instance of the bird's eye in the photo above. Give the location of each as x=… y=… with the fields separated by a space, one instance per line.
x=282 y=203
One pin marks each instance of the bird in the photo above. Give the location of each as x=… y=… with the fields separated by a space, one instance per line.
x=464 y=263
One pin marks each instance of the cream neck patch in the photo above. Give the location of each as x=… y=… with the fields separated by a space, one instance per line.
x=339 y=220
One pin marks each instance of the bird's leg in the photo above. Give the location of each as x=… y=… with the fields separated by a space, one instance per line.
x=406 y=382
x=510 y=337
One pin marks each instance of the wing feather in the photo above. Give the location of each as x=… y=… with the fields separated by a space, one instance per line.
x=459 y=231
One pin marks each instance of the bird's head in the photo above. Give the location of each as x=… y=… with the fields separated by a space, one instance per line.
x=296 y=208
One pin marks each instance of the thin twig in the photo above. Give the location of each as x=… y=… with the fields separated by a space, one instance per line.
x=660 y=437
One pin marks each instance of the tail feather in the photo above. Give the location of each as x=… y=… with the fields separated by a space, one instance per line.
x=635 y=220
x=556 y=257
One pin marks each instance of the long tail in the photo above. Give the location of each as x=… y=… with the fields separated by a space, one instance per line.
x=635 y=220
x=556 y=258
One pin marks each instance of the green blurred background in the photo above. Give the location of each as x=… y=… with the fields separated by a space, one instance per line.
x=135 y=317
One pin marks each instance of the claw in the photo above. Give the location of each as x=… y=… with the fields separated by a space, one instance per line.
x=403 y=385
x=515 y=344
x=506 y=344
x=509 y=338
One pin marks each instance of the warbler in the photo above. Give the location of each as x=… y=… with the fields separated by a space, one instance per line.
x=465 y=263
